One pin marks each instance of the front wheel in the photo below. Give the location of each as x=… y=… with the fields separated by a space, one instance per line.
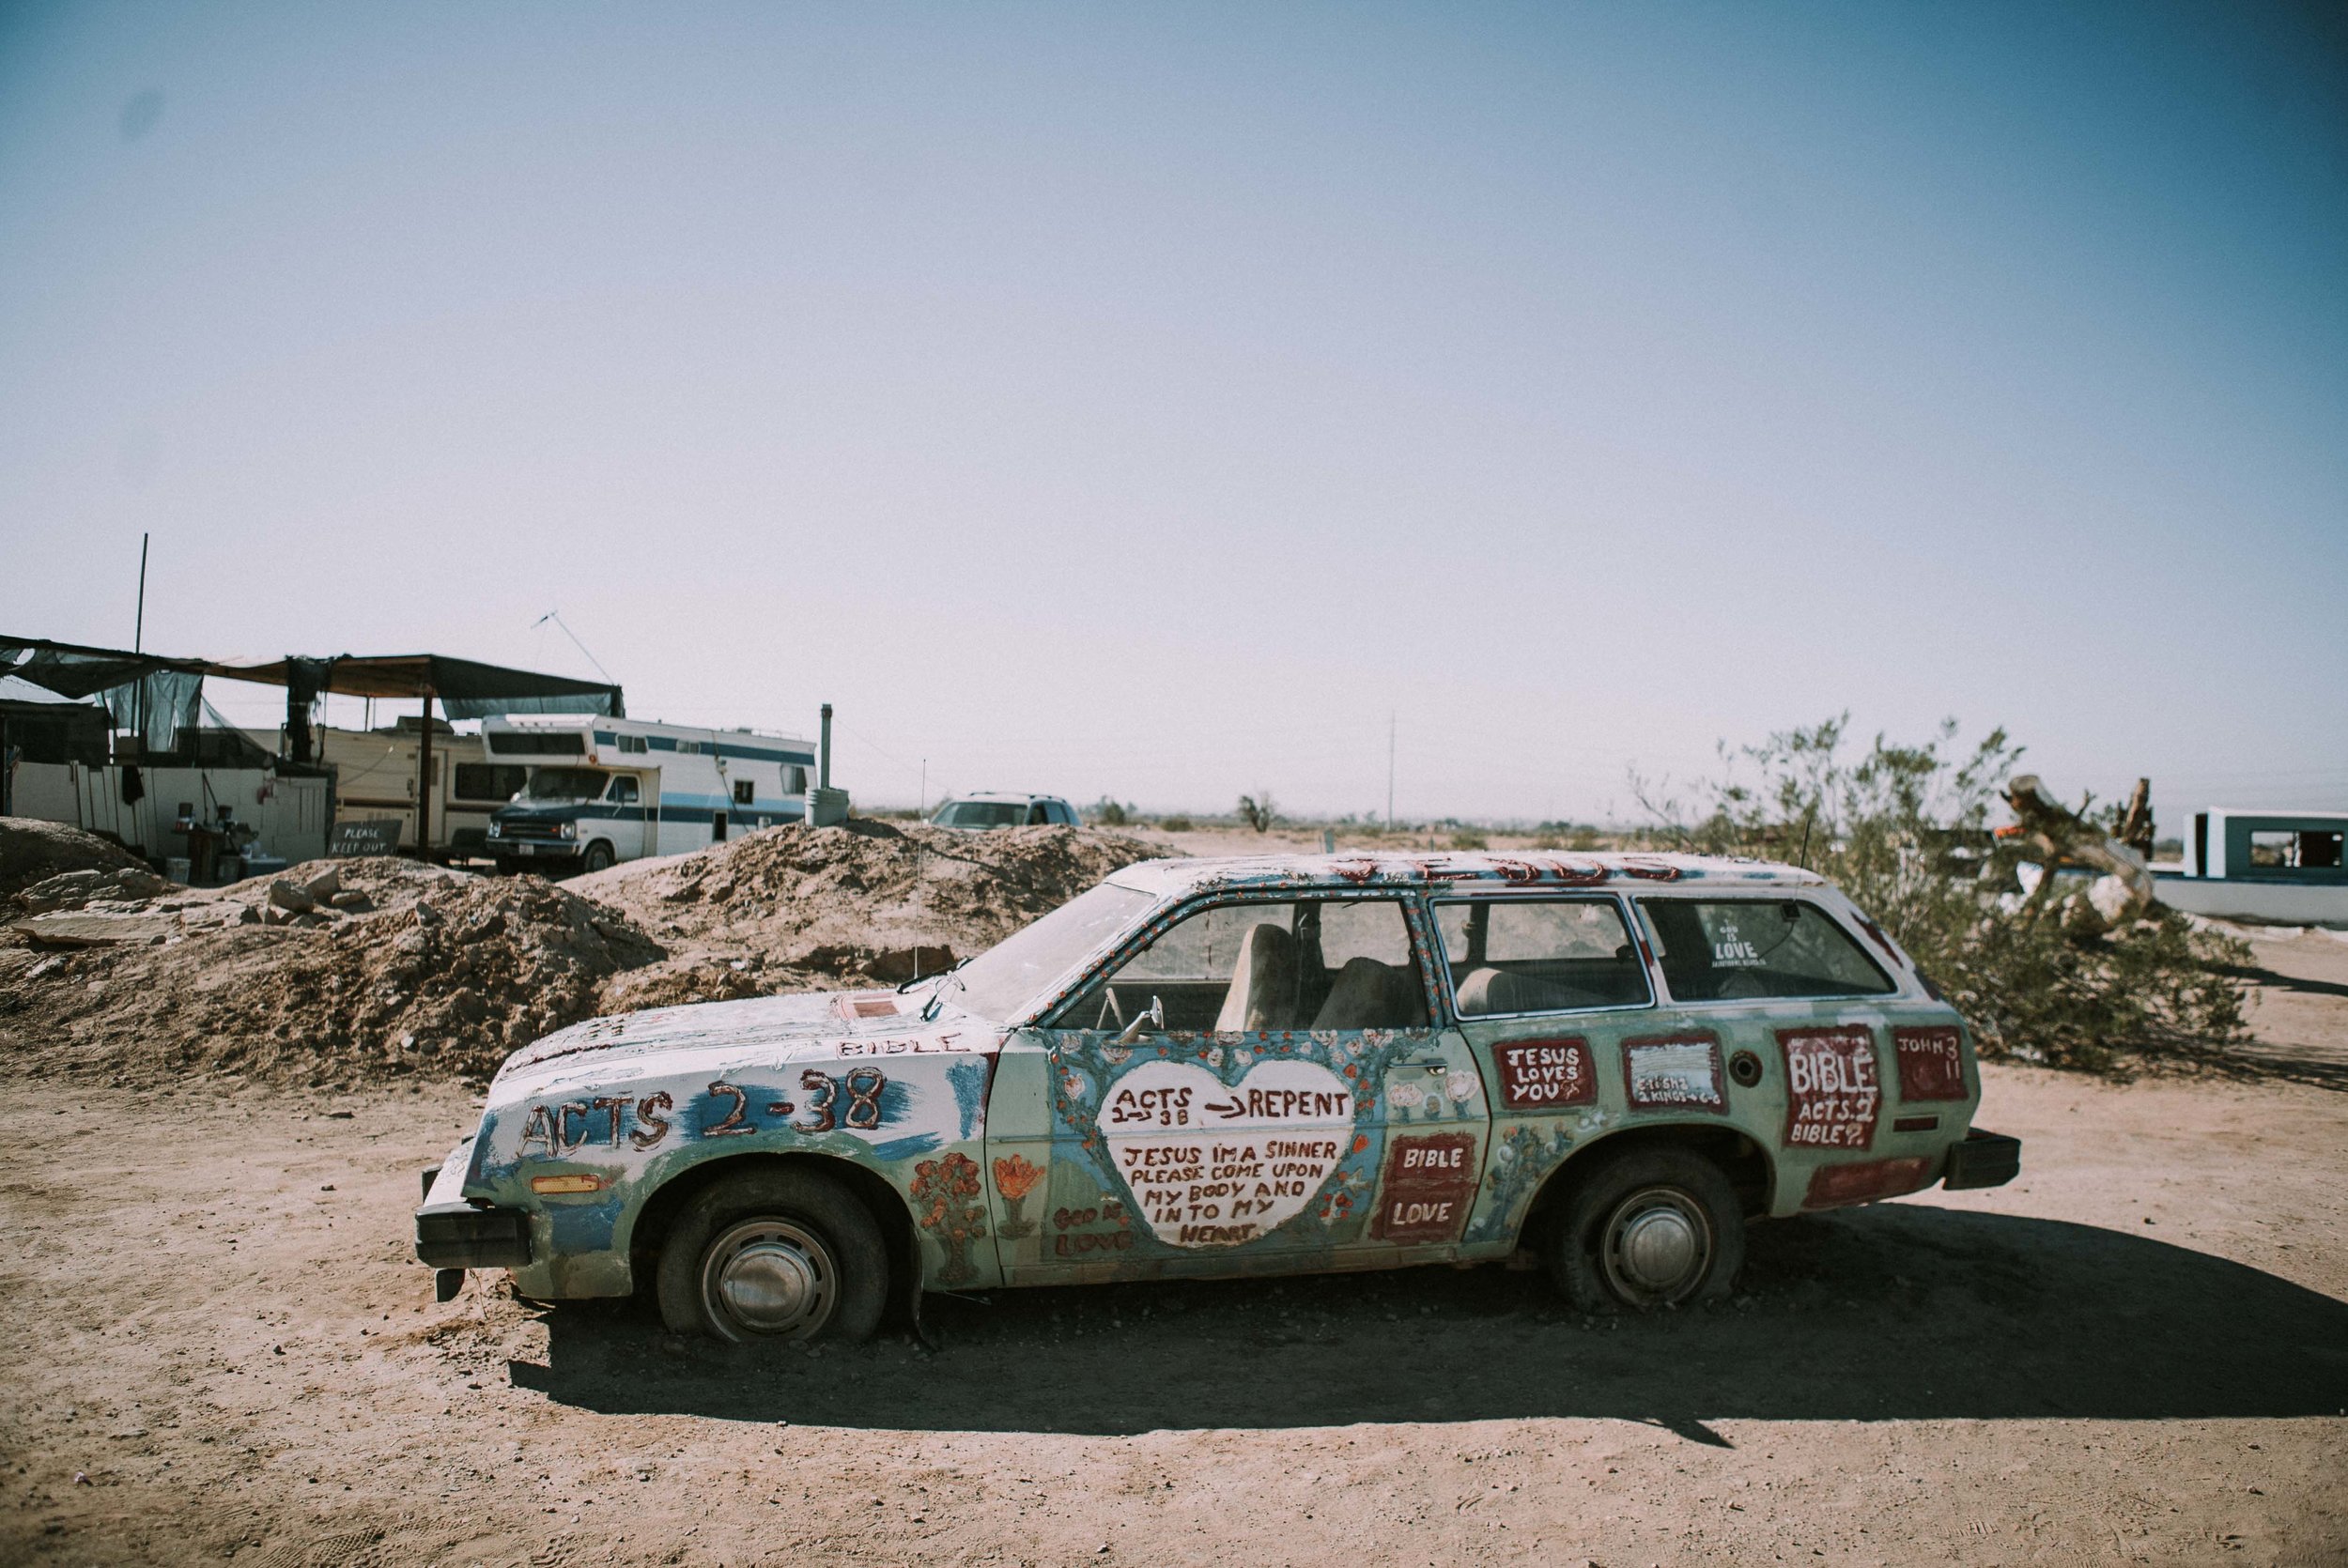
x=774 y=1255
x=597 y=858
x=1651 y=1228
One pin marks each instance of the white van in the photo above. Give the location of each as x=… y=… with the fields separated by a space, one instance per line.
x=599 y=791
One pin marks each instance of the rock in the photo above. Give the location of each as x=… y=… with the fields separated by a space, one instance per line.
x=291 y=898
x=97 y=930
x=323 y=886
x=351 y=902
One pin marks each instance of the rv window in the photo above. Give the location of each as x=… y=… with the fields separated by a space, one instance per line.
x=565 y=784
x=489 y=780
x=633 y=744
x=742 y=791
x=522 y=743
x=2289 y=850
x=689 y=748
x=794 y=781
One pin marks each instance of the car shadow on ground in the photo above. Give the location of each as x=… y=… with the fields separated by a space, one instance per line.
x=1898 y=1312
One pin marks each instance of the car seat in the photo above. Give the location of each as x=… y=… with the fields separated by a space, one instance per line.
x=1263 y=985
x=1369 y=995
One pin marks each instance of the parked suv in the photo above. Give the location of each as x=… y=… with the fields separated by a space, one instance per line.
x=1603 y=1065
x=989 y=810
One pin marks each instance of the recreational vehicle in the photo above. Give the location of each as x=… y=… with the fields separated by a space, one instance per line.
x=597 y=790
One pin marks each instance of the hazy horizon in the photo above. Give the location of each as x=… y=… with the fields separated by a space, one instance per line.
x=1155 y=404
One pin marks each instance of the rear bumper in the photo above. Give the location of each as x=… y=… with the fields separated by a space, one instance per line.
x=459 y=1236
x=1982 y=1160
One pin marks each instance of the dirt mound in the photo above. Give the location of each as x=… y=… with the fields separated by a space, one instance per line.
x=349 y=971
x=863 y=899
x=444 y=974
x=32 y=851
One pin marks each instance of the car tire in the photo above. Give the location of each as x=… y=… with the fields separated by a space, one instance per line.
x=1649 y=1229
x=774 y=1255
x=597 y=858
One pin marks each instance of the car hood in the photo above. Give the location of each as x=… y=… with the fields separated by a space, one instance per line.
x=661 y=1040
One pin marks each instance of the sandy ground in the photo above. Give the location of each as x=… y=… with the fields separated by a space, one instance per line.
x=218 y=1348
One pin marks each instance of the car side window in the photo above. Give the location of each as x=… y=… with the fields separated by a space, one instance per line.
x=1037 y=814
x=1538 y=955
x=1294 y=964
x=624 y=790
x=1726 y=949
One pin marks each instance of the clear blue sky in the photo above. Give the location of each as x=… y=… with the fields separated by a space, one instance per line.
x=1149 y=401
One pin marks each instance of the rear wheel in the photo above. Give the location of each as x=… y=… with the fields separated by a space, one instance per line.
x=1651 y=1228
x=774 y=1255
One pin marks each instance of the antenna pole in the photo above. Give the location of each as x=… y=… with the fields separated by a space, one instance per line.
x=138 y=627
x=1389 y=770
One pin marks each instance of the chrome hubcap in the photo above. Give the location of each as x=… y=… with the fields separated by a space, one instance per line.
x=1657 y=1247
x=769 y=1279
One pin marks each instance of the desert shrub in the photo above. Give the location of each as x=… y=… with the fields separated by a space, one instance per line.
x=1105 y=812
x=1904 y=831
x=1257 y=811
x=1175 y=824
x=1468 y=838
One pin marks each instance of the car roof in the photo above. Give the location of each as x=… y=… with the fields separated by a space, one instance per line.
x=997 y=796
x=1456 y=869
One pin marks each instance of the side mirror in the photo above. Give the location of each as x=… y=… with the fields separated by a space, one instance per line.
x=1154 y=1018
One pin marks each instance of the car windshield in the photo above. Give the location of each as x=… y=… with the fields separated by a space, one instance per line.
x=564 y=784
x=980 y=813
x=1006 y=981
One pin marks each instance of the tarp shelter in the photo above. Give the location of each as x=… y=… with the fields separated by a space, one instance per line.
x=38 y=726
x=463 y=688
x=154 y=697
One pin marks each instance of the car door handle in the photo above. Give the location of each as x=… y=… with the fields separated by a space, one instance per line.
x=1427 y=1064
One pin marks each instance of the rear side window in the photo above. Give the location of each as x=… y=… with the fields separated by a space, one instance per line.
x=1538 y=955
x=1728 y=949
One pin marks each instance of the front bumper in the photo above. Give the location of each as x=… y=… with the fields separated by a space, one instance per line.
x=455 y=1233
x=1982 y=1160
x=531 y=849
x=459 y=1236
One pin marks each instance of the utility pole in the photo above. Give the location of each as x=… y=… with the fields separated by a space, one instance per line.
x=1389 y=770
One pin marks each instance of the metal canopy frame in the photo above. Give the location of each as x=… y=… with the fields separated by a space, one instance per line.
x=463 y=687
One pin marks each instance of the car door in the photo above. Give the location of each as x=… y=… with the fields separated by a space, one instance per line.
x=1554 y=996
x=1217 y=1089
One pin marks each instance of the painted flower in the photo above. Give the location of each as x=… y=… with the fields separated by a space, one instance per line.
x=1017 y=1176
x=1461 y=1085
x=1406 y=1095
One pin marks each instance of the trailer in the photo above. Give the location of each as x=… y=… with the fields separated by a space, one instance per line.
x=597 y=790
x=376 y=774
x=2268 y=868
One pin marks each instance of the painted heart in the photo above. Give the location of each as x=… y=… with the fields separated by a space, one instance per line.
x=1210 y=1164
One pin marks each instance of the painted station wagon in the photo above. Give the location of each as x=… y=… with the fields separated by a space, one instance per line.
x=1602 y=1064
